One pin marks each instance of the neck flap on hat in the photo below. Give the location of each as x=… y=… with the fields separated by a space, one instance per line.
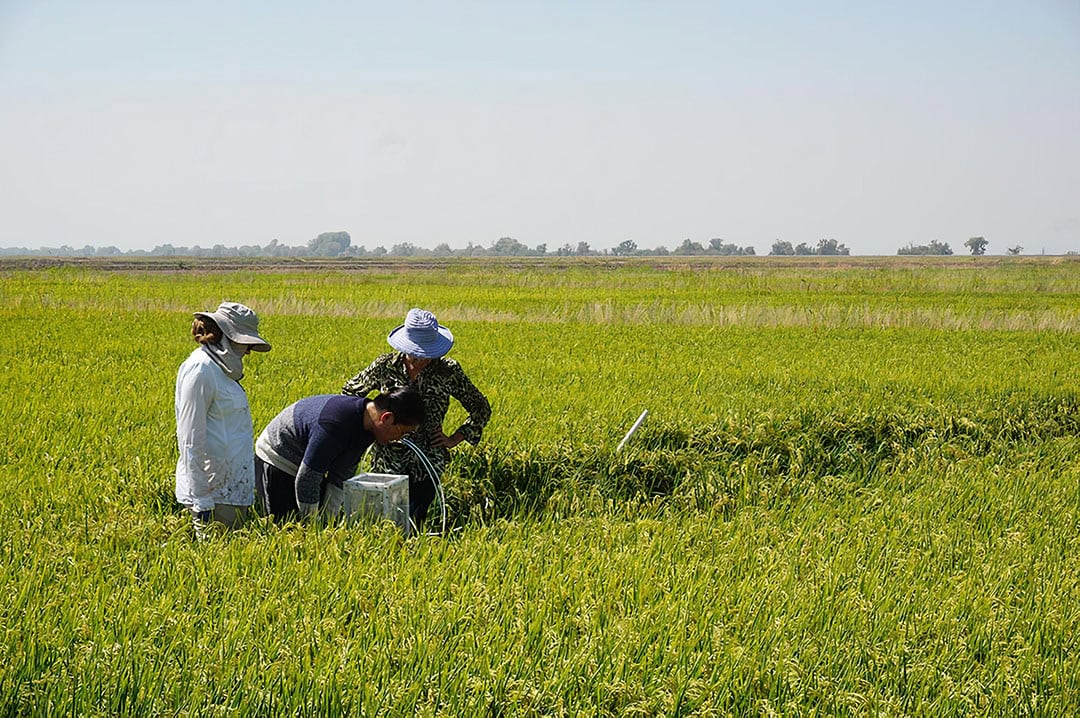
x=226 y=356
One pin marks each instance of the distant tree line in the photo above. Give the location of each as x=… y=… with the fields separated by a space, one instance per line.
x=339 y=244
x=976 y=245
x=828 y=247
x=935 y=247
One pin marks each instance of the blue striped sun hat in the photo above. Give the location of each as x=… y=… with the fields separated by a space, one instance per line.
x=421 y=336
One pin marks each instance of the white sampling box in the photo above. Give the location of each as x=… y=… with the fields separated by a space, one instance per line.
x=378 y=497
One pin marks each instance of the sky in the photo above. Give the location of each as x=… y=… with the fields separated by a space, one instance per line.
x=136 y=124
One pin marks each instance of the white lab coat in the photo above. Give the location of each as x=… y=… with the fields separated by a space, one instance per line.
x=214 y=435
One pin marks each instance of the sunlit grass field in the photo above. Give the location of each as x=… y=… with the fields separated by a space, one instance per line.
x=857 y=492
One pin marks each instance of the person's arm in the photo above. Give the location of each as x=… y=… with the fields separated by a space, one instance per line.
x=192 y=403
x=475 y=403
x=373 y=377
x=327 y=443
x=333 y=498
x=308 y=489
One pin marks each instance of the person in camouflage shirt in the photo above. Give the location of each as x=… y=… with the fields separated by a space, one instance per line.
x=420 y=361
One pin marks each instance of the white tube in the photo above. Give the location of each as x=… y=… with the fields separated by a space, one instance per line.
x=632 y=430
x=426 y=463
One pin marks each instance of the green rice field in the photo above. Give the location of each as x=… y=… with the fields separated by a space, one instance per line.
x=857 y=493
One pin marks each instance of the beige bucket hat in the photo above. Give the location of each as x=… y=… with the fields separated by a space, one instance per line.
x=238 y=323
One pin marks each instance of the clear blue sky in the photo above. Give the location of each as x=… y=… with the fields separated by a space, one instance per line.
x=878 y=124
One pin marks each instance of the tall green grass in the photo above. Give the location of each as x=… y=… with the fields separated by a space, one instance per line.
x=826 y=511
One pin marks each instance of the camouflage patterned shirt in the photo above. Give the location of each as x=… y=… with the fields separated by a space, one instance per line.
x=441 y=379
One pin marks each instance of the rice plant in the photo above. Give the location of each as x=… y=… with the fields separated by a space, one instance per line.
x=856 y=493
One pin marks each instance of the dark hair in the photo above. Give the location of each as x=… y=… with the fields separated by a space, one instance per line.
x=404 y=403
x=206 y=331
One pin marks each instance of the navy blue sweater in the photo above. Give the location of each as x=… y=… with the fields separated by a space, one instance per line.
x=317 y=438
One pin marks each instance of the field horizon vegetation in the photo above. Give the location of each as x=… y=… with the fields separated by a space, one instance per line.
x=857 y=492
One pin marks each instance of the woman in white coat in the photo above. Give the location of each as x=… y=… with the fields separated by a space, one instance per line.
x=215 y=474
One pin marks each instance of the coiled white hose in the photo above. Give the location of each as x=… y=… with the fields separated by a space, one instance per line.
x=426 y=463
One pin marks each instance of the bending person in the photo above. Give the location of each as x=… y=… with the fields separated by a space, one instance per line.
x=421 y=362
x=215 y=474
x=306 y=452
